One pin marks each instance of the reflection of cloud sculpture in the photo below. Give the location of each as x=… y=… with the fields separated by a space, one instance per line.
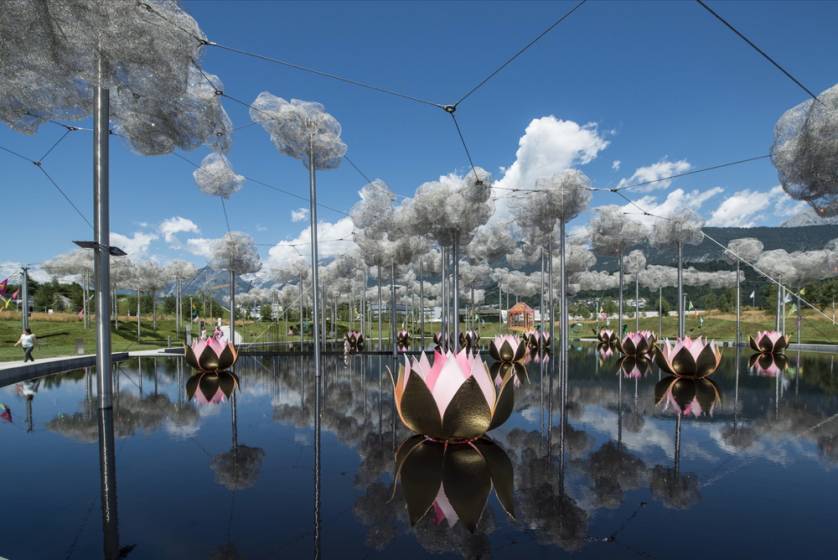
x=453 y=399
x=216 y=177
x=689 y=357
x=613 y=471
x=804 y=152
x=768 y=365
x=674 y=490
x=238 y=468
x=771 y=342
x=452 y=482
x=298 y=126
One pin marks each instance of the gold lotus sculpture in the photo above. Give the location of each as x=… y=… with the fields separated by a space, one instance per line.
x=455 y=399
x=507 y=348
x=453 y=482
x=211 y=354
x=689 y=357
x=769 y=342
x=637 y=343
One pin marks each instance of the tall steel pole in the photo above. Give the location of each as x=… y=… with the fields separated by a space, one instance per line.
x=301 y=311
x=541 y=302
x=315 y=283
x=738 y=309
x=637 y=301
x=620 y=307
x=24 y=284
x=551 y=307
x=380 y=303
x=681 y=318
x=232 y=306
x=456 y=290
x=443 y=325
x=660 y=312
x=421 y=307
x=101 y=233
x=107 y=483
x=393 y=306
x=564 y=311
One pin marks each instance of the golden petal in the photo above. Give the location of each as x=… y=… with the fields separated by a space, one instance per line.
x=208 y=385
x=505 y=403
x=421 y=475
x=661 y=388
x=501 y=471
x=227 y=358
x=192 y=385
x=468 y=414
x=466 y=482
x=419 y=411
x=208 y=360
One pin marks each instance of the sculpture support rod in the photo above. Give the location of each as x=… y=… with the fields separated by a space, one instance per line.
x=315 y=284
x=232 y=306
x=551 y=308
x=380 y=301
x=421 y=307
x=301 y=312
x=637 y=301
x=777 y=322
x=393 y=307
x=681 y=318
x=563 y=302
x=738 y=308
x=107 y=485
x=443 y=326
x=456 y=289
x=24 y=284
x=101 y=233
x=620 y=306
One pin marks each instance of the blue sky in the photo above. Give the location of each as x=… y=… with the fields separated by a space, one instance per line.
x=637 y=83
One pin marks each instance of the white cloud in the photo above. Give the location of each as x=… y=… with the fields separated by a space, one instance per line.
x=743 y=209
x=675 y=201
x=655 y=172
x=136 y=245
x=200 y=246
x=615 y=165
x=331 y=240
x=177 y=224
x=299 y=215
x=548 y=146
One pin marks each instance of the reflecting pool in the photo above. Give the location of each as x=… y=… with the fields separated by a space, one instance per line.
x=620 y=461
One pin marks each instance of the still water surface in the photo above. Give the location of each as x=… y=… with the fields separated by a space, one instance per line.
x=608 y=470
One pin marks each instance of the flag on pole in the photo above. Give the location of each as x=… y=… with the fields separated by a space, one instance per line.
x=3 y=285
x=753 y=294
x=787 y=298
x=690 y=306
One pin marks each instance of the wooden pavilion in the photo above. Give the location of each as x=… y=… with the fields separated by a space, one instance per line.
x=520 y=317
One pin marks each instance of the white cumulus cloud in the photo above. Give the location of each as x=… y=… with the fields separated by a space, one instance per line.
x=332 y=239
x=615 y=165
x=299 y=215
x=177 y=224
x=742 y=209
x=656 y=173
x=136 y=246
x=675 y=201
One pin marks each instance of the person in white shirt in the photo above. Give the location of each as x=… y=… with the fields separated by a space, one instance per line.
x=27 y=342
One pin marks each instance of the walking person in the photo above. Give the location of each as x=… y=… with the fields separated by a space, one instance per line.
x=27 y=342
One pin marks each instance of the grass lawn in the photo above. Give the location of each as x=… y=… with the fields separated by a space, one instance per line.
x=59 y=334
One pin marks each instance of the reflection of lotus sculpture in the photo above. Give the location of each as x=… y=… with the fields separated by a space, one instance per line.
x=537 y=340
x=211 y=387
x=637 y=343
x=689 y=357
x=453 y=481
x=507 y=348
x=769 y=342
x=606 y=336
x=470 y=340
x=354 y=341
x=605 y=350
x=634 y=367
x=441 y=341
x=500 y=370
x=403 y=340
x=211 y=354
x=768 y=365
x=455 y=399
x=687 y=396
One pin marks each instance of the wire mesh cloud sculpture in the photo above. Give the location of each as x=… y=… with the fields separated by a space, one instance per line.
x=235 y=252
x=299 y=127
x=216 y=177
x=805 y=152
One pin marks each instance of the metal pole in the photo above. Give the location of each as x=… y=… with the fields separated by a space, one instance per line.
x=107 y=484
x=620 y=310
x=393 y=306
x=314 y=259
x=777 y=325
x=232 y=306
x=551 y=307
x=738 y=309
x=301 y=311
x=563 y=302
x=637 y=301
x=799 y=325
x=24 y=282
x=443 y=326
x=681 y=318
x=138 y=315
x=541 y=302
x=84 y=292
x=421 y=307
x=380 y=302
x=456 y=289
x=101 y=232
x=660 y=312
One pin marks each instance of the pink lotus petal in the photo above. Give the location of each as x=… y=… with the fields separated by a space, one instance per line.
x=443 y=509
x=436 y=369
x=463 y=361
x=448 y=382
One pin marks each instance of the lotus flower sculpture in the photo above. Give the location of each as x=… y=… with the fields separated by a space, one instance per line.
x=768 y=365
x=637 y=343
x=211 y=354
x=537 y=340
x=606 y=336
x=606 y=352
x=470 y=340
x=453 y=482
x=403 y=340
x=499 y=371
x=211 y=387
x=689 y=357
x=454 y=400
x=507 y=348
x=634 y=367
x=769 y=342
x=690 y=397
x=353 y=341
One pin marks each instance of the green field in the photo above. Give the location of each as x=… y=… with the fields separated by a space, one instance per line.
x=59 y=335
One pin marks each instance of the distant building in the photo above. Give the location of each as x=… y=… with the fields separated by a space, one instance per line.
x=520 y=317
